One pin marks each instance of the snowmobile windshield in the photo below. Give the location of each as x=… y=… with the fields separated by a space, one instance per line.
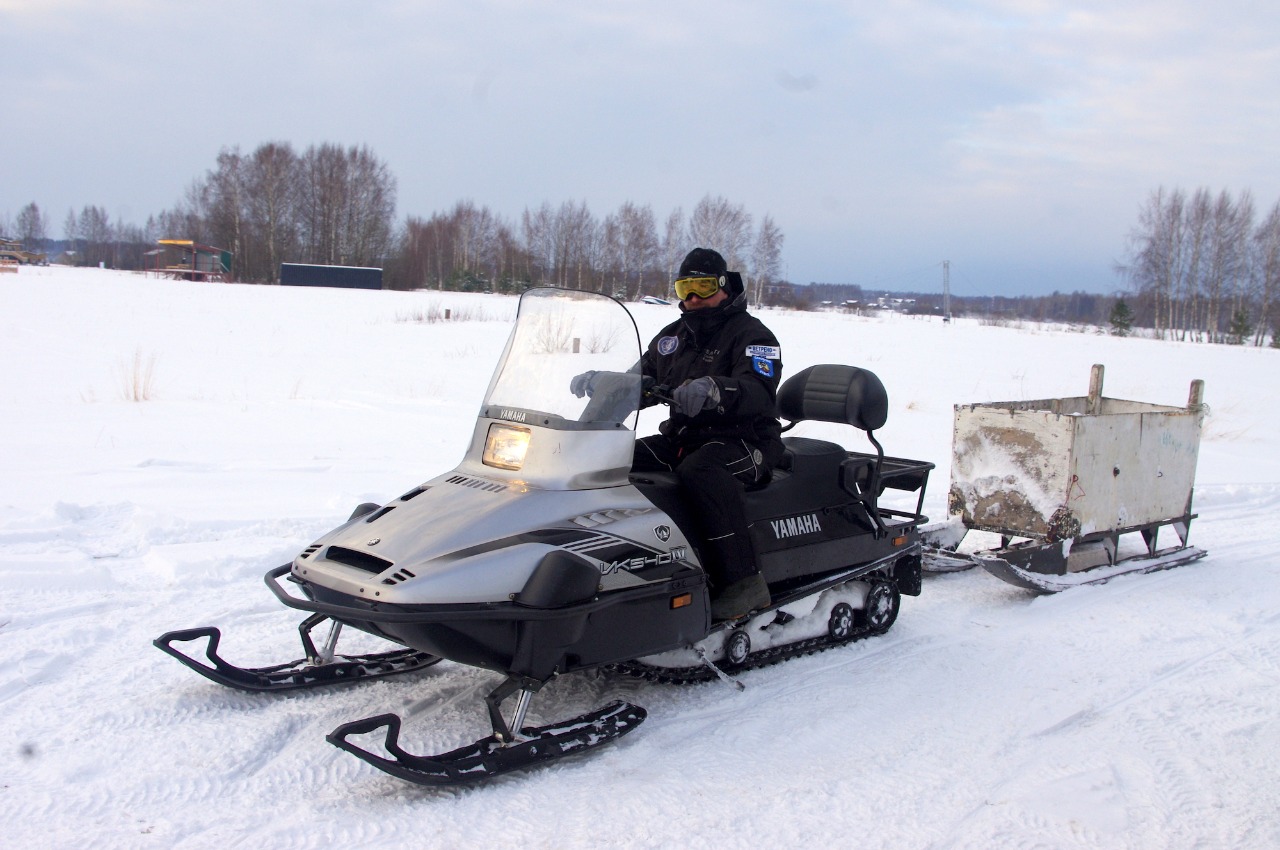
x=572 y=363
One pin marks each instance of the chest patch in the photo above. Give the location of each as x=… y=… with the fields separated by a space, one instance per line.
x=668 y=345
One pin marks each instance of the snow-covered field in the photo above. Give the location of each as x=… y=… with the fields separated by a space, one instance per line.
x=1142 y=713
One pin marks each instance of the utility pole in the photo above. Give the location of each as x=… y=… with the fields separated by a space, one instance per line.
x=946 y=290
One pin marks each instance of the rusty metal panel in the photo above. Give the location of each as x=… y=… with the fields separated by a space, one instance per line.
x=1010 y=468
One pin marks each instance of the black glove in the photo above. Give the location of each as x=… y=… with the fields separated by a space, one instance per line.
x=581 y=384
x=693 y=397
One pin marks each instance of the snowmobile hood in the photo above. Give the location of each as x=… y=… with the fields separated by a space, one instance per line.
x=460 y=539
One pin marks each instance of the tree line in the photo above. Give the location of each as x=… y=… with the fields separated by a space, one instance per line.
x=336 y=206
x=1204 y=267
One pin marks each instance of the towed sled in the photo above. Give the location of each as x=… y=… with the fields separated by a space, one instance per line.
x=1079 y=489
x=541 y=554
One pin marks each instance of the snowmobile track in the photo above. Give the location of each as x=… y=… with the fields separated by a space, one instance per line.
x=700 y=673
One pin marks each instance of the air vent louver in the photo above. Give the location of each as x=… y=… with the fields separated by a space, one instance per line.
x=476 y=483
x=357 y=559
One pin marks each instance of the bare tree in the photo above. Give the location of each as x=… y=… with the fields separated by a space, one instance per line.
x=1187 y=303
x=766 y=258
x=95 y=232
x=227 y=207
x=675 y=245
x=1239 y=268
x=1157 y=259
x=1266 y=251
x=71 y=233
x=574 y=235
x=1227 y=260
x=272 y=208
x=475 y=248
x=370 y=205
x=31 y=227
x=722 y=226
x=537 y=228
x=347 y=203
x=637 y=246
x=609 y=253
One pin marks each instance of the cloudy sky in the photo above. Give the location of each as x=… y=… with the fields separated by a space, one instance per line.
x=1015 y=138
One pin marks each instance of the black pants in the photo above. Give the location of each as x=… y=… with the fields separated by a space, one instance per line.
x=714 y=476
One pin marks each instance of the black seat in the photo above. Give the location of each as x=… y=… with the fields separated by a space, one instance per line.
x=837 y=393
x=804 y=454
x=834 y=393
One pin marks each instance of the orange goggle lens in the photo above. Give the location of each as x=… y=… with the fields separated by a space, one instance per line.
x=703 y=287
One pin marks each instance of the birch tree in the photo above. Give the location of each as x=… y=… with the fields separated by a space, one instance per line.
x=766 y=258
x=717 y=224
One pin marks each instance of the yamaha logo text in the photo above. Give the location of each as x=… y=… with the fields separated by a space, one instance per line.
x=793 y=526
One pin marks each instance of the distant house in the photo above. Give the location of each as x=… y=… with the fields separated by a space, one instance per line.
x=779 y=293
x=185 y=259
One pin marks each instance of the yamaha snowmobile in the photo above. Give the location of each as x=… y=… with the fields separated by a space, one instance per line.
x=542 y=554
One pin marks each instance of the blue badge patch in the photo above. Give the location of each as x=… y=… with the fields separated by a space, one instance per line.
x=668 y=345
x=762 y=366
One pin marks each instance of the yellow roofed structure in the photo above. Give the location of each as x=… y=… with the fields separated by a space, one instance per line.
x=186 y=259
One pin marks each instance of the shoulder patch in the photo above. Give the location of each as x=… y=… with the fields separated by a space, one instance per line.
x=769 y=352
x=668 y=345
x=762 y=366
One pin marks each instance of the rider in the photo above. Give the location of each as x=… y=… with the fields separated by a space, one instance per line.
x=723 y=366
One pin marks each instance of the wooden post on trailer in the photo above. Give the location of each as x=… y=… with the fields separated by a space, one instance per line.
x=1094 y=405
x=1195 y=400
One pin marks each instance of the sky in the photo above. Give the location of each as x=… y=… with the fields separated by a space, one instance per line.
x=1016 y=140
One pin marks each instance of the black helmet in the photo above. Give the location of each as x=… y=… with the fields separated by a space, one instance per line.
x=704 y=261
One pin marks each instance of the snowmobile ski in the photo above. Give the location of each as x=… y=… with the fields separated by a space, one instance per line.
x=491 y=756
x=306 y=672
x=1052 y=583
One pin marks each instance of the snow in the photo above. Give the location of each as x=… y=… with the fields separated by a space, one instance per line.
x=1138 y=714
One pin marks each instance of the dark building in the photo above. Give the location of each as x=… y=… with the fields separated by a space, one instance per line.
x=344 y=277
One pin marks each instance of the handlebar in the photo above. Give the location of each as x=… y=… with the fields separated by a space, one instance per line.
x=660 y=394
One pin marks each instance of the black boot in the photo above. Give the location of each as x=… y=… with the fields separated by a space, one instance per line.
x=741 y=598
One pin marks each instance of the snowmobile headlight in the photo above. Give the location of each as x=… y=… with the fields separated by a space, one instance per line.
x=506 y=446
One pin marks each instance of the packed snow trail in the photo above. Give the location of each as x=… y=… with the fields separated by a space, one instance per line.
x=1138 y=714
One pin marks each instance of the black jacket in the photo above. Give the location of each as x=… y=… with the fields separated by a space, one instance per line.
x=734 y=347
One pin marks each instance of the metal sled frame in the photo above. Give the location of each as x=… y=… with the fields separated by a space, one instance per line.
x=1048 y=566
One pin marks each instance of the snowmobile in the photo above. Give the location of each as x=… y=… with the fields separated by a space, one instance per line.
x=542 y=554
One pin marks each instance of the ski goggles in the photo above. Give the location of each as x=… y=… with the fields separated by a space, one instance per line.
x=703 y=287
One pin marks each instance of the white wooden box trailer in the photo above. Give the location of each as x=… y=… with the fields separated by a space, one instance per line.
x=1077 y=471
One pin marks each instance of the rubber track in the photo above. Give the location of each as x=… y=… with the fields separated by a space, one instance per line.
x=702 y=673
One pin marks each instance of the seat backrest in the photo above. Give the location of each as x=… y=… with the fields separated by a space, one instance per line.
x=835 y=393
